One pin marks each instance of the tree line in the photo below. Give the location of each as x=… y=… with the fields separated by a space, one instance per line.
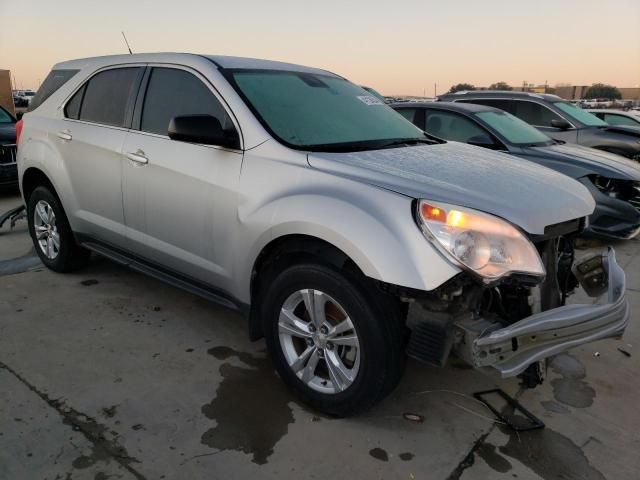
x=597 y=90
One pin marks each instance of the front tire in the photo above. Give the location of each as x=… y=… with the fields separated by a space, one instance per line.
x=336 y=341
x=51 y=233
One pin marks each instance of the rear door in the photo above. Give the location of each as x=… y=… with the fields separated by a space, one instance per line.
x=90 y=139
x=180 y=198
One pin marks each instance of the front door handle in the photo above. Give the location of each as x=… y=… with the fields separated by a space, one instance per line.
x=64 y=135
x=138 y=157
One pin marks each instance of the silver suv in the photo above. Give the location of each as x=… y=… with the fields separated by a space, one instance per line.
x=345 y=235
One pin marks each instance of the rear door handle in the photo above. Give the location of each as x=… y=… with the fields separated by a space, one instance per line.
x=64 y=135
x=138 y=157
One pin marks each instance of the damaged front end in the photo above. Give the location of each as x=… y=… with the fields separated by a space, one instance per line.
x=512 y=325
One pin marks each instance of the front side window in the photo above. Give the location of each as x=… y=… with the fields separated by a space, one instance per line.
x=513 y=129
x=534 y=113
x=171 y=93
x=580 y=115
x=614 y=119
x=311 y=111
x=108 y=95
x=451 y=126
x=408 y=113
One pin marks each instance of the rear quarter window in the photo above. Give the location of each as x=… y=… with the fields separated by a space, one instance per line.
x=51 y=84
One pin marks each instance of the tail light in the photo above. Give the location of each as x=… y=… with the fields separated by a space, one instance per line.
x=18 y=131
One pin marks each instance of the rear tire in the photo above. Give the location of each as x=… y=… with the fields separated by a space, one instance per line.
x=354 y=365
x=51 y=233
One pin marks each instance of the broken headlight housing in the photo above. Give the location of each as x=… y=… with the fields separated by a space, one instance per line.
x=484 y=244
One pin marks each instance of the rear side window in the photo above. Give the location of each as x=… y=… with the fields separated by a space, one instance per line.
x=534 y=113
x=5 y=117
x=107 y=97
x=51 y=84
x=171 y=93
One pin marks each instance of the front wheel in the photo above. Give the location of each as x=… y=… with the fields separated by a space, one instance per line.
x=337 y=344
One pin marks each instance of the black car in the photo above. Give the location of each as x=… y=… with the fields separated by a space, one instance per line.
x=614 y=181
x=559 y=119
x=8 y=167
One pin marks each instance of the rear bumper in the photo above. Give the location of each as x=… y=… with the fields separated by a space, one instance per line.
x=512 y=349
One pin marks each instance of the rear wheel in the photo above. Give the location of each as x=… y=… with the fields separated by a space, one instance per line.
x=336 y=344
x=51 y=233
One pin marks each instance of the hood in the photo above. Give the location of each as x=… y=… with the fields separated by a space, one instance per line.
x=7 y=133
x=527 y=195
x=578 y=161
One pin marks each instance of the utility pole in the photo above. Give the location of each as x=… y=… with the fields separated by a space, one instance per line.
x=435 y=90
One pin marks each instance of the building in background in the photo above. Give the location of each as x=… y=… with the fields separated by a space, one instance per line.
x=577 y=92
x=6 y=93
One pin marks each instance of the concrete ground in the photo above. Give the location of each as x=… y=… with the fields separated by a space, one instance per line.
x=105 y=373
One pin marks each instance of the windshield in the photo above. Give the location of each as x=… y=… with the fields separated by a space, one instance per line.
x=5 y=117
x=513 y=129
x=310 y=111
x=580 y=115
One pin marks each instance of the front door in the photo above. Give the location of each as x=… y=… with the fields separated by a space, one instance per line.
x=180 y=198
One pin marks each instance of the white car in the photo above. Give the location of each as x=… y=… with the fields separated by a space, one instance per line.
x=345 y=234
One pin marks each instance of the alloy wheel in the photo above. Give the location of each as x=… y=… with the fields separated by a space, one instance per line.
x=319 y=341
x=46 y=231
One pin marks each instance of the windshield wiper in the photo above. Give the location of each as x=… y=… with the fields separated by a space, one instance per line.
x=408 y=141
x=361 y=146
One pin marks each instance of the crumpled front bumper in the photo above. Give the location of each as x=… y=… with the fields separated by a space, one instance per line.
x=510 y=350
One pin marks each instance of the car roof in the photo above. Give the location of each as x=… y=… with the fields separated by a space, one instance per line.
x=221 y=61
x=501 y=94
x=611 y=110
x=452 y=106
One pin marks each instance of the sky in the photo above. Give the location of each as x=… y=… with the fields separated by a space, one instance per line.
x=409 y=47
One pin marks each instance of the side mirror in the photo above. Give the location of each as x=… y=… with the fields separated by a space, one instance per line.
x=483 y=141
x=204 y=129
x=560 y=123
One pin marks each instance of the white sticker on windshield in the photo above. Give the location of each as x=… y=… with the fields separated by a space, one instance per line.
x=369 y=100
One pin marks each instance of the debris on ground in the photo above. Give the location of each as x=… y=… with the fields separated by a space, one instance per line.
x=413 y=417
x=624 y=352
x=14 y=215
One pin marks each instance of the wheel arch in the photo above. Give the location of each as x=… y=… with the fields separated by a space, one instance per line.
x=32 y=178
x=287 y=250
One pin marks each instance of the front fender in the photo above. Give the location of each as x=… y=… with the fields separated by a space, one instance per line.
x=377 y=231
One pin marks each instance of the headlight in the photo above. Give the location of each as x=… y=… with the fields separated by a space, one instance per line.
x=482 y=243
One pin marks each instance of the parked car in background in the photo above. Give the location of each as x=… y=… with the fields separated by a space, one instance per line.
x=26 y=95
x=345 y=234
x=8 y=167
x=559 y=119
x=614 y=181
x=19 y=101
x=375 y=93
x=628 y=118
